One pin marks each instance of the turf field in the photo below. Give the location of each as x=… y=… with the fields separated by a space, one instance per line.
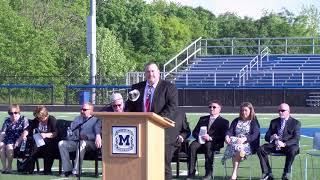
x=310 y=124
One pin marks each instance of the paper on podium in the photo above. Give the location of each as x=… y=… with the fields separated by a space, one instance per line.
x=203 y=131
x=38 y=139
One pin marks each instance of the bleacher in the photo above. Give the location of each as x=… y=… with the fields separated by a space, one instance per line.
x=277 y=71
x=212 y=70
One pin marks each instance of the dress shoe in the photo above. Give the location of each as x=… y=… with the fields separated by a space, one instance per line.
x=208 y=177
x=285 y=176
x=66 y=174
x=266 y=176
x=46 y=173
x=190 y=177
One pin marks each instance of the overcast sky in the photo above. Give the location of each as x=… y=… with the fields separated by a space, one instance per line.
x=251 y=8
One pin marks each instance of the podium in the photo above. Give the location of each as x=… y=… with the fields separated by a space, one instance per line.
x=133 y=145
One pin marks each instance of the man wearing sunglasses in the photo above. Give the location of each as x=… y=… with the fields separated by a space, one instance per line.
x=282 y=136
x=211 y=138
x=90 y=138
x=116 y=104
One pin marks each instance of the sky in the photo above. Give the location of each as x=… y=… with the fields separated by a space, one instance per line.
x=250 y=8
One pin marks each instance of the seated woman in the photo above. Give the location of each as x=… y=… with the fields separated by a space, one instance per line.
x=44 y=124
x=242 y=138
x=13 y=129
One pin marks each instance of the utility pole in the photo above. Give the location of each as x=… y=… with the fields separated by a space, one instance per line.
x=91 y=47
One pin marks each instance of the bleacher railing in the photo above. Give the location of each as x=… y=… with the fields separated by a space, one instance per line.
x=245 y=72
x=184 y=57
x=271 y=79
x=252 y=46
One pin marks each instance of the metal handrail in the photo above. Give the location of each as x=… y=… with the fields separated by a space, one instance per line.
x=175 y=58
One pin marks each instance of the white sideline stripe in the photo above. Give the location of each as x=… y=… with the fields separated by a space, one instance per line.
x=260 y=114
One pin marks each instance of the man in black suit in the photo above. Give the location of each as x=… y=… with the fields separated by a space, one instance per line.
x=174 y=137
x=282 y=136
x=209 y=140
x=158 y=96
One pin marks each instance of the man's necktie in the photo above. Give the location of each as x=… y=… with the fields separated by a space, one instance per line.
x=210 y=123
x=283 y=124
x=148 y=99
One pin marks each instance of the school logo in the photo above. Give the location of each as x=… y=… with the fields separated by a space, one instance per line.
x=124 y=140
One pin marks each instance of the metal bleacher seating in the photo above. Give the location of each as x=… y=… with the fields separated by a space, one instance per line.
x=277 y=71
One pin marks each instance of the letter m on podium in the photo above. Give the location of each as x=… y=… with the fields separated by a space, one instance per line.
x=124 y=140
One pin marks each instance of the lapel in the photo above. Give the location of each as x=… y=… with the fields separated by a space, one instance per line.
x=206 y=121
x=155 y=98
x=140 y=100
x=215 y=122
x=278 y=125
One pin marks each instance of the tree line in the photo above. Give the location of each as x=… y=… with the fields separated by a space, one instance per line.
x=44 y=41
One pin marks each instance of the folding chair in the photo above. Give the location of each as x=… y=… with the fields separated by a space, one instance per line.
x=315 y=152
x=240 y=167
x=181 y=155
x=278 y=154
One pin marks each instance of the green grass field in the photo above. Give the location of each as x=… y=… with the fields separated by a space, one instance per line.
x=308 y=121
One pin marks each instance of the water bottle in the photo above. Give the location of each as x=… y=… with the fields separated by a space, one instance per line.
x=23 y=145
x=69 y=132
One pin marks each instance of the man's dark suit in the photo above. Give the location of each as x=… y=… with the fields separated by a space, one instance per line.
x=164 y=101
x=291 y=137
x=171 y=134
x=217 y=132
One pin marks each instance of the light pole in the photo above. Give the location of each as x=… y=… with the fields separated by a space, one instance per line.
x=91 y=47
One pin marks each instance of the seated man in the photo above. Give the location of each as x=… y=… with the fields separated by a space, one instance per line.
x=283 y=136
x=90 y=138
x=116 y=104
x=173 y=138
x=209 y=140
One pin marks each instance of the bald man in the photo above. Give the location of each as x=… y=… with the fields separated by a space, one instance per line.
x=282 y=136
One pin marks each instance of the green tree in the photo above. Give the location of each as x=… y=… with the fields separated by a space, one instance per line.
x=25 y=51
x=111 y=61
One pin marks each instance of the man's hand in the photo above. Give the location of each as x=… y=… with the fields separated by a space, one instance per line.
x=281 y=144
x=206 y=137
x=98 y=141
x=274 y=137
x=227 y=139
x=241 y=140
x=180 y=139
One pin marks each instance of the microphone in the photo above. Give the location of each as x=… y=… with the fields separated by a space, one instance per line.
x=133 y=95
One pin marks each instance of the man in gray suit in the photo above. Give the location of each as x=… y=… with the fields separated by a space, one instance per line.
x=90 y=138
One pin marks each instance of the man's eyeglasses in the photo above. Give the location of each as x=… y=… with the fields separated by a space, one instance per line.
x=212 y=107
x=11 y=113
x=116 y=105
x=83 y=109
x=282 y=110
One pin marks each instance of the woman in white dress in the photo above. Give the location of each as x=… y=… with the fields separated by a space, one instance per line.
x=242 y=138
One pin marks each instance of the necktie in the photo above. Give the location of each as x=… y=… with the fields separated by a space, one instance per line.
x=148 y=99
x=283 y=124
x=210 y=123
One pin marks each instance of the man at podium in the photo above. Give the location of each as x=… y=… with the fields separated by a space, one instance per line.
x=156 y=95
